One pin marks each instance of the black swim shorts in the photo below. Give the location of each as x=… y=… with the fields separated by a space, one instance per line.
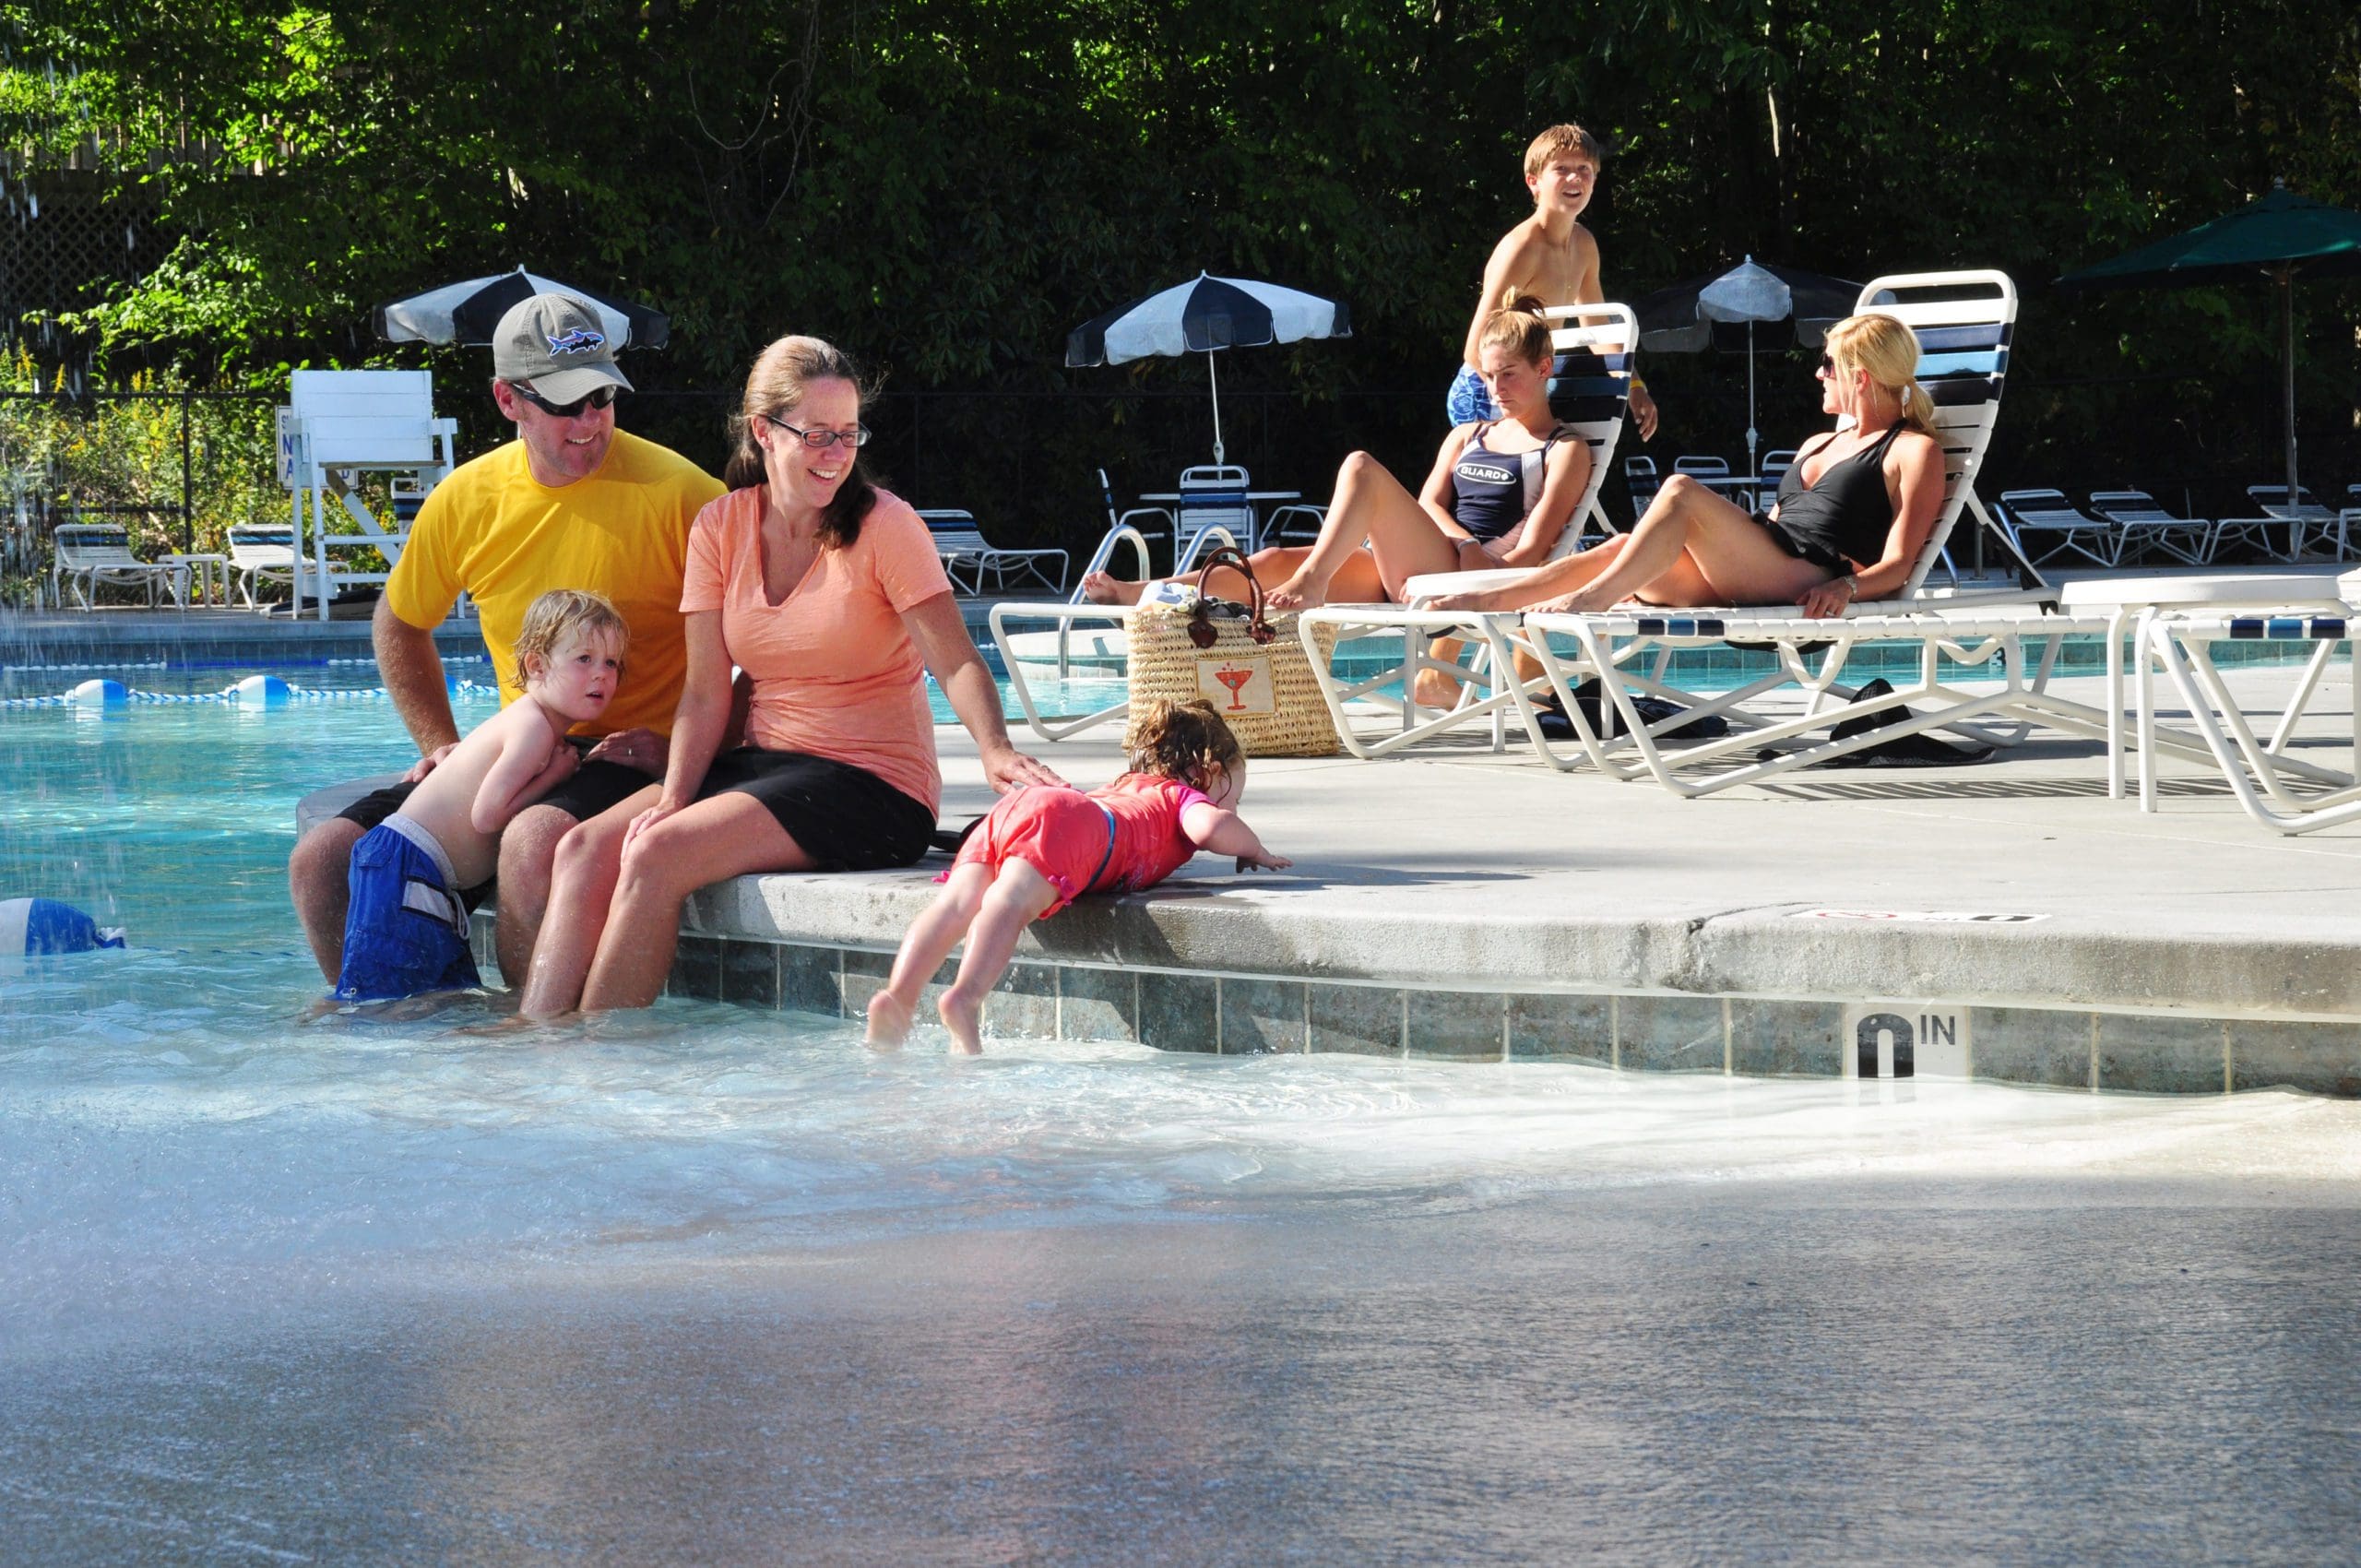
x=845 y=818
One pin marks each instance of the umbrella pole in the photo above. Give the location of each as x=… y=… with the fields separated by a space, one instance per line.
x=1750 y=465
x=1213 y=379
x=2288 y=369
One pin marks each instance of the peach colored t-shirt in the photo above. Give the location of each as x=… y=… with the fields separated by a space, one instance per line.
x=835 y=671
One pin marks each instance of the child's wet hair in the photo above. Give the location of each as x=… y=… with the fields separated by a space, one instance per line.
x=560 y=614
x=1186 y=740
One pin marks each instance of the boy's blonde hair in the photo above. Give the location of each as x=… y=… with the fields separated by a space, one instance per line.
x=559 y=615
x=1561 y=138
x=1186 y=740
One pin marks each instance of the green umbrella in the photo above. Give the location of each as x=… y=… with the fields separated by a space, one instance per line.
x=2279 y=237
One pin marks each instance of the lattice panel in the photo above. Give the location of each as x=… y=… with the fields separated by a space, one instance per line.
x=91 y=228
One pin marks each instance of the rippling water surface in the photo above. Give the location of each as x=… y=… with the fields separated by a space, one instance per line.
x=696 y=1285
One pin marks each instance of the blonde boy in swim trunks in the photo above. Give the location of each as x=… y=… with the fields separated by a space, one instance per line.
x=1549 y=255
x=406 y=930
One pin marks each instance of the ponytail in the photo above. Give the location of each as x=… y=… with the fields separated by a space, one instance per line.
x=1517 y=327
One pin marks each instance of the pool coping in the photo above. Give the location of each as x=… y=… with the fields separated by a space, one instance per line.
x=1169 y=969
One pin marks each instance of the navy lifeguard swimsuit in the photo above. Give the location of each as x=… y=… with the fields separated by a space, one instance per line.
x=1492 y=492
x=1841 y=519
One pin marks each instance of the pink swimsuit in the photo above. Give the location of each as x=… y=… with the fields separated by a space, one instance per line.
x=1122 y=838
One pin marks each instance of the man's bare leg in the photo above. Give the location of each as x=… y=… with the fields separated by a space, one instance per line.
x=319 y=879
x=527 y=852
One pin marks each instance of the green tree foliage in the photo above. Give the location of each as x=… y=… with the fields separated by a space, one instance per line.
x=949 y=186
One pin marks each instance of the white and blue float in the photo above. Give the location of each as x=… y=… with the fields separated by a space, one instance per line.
x=35 y=928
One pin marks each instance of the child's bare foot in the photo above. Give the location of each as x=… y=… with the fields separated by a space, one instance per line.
x=889 y=1021
x=1298 y=593
x=964 y=1016
x=1101 y=589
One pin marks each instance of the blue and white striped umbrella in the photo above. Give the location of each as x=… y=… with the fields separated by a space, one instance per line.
x=1203 y=315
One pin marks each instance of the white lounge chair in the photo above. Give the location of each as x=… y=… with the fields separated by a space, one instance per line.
x=960 y=543
x=2259 y=772
x=1594 y=347
x=1597 y=346
x=263 y=552
x=1964 y=344
x=2047 y=514
x=2146 y=525
x=86 y=556
x=1640 y=474
x=2310 y=522
x=1213 y=510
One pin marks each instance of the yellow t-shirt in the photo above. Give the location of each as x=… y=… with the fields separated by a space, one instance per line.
x=492 y=531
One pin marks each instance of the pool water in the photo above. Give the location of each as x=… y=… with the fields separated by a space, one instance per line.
x=700 y=1285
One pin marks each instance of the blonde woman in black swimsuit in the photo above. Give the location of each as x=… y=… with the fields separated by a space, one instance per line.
x=1498 y=496
x=1851 y=519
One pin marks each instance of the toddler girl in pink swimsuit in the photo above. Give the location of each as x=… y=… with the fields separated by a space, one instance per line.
x=1045 y=845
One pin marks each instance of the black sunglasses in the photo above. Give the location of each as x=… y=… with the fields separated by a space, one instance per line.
x=604 y=398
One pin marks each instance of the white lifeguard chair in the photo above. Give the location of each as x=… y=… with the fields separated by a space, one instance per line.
x=338 y=425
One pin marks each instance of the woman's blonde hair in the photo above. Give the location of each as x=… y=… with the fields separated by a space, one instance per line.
x=559 y=615
x=1186 y=740
x=1517 y=327
x=1888 y=352
x=775 y=387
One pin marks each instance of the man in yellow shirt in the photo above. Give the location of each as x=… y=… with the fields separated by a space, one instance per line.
x=571 y=502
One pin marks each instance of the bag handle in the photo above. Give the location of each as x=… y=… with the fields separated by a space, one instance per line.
x=1201 y=626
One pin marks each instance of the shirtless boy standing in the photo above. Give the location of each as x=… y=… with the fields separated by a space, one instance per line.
x=1549 y=255
x=406 y=932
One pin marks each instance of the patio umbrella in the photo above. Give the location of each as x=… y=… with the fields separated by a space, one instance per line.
x=467 y=313
x=1704 y=312
x=1202 y=316
x=2279 y=237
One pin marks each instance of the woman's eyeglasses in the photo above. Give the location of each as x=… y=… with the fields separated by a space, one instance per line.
x=604 y=398
x=821 y=439
x=1828 y=364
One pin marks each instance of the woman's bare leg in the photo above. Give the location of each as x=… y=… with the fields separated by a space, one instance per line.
x=1370 y=506
x=582 y=885
x=1692 y=547
x=1273 y=566
x=723 y=835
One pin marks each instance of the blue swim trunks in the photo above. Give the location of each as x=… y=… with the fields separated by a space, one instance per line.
x=405 y=931
x=1469 y=399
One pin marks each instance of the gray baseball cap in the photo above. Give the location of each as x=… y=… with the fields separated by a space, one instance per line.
x=557 y=343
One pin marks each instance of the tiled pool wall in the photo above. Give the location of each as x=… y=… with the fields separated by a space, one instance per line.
x=2071 y=1047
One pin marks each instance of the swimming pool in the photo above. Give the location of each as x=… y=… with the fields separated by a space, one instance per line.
x=701 y=1284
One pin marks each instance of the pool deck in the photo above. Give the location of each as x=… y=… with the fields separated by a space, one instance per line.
x=1480 y=905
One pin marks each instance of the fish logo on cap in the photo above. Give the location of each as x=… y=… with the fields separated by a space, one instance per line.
x=580 y=341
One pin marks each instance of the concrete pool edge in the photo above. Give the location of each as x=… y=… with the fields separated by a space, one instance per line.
x=1190 y=969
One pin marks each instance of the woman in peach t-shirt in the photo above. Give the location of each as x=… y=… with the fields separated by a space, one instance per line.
x=827 y=592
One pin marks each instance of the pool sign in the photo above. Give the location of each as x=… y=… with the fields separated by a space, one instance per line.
x=1905 y=1040
x=1925 y=917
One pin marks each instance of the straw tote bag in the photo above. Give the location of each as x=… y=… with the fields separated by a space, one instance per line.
x=1252 y=666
